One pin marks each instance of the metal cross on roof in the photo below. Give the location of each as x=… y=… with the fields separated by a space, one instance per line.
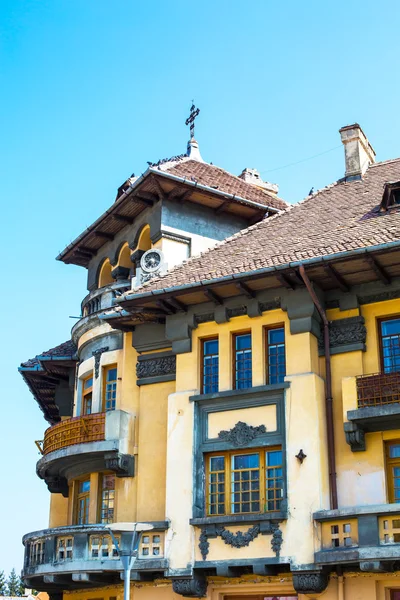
x=191 y=118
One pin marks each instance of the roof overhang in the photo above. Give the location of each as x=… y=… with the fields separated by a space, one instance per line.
x=42 y=379
x=340 y=271
x=152 y=186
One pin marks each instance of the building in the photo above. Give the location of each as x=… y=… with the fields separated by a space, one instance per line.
x=244 y=401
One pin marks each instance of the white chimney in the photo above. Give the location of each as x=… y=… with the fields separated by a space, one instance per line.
x=358 y=152
x=253 y=176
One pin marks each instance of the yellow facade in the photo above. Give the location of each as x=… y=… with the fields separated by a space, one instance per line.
x=162 y=437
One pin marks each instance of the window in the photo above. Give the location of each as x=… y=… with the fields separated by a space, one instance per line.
x=110 y=388
x=244 y=482
x=395 y=595
x=275 y=354
x=64 y=548
x=82 y=504
x=87 y=395
x=37 y=553
x=209 y=366
x=151 y=546
x=393 y=470
x=389 y=330
x=107 y=499
x=242 y=361
x=103 y=547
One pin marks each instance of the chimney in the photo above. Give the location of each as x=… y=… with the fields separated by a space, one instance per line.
x=358 y=152
x=253 y=176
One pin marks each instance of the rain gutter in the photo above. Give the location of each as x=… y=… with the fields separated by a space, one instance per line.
x=178 y=289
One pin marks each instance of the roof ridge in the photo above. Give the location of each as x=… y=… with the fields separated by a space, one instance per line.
x=250 y=185
x=384 y=162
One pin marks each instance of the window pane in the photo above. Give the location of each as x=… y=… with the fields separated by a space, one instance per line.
x=276 y=355
x=274 y=481
x=390 y=327
x=88 y=383
x=394 y=451
x=112 y=374
x=211 y=347
x=84 y=486
x=243 y=341
x=246 y=461
x=276 y=336
x=217 y=463
x=243 y=361
x=390 y=337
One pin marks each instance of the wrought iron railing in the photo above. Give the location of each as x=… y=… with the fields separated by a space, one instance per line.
x=378 y=389
x=78 y=430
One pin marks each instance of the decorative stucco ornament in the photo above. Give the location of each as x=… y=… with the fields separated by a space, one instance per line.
x=312 y=582
x=151 y=264
x=241 y=434
x=156 y=367
x=196 y=587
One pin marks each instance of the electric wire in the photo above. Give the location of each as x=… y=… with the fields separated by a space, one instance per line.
x=301 y=161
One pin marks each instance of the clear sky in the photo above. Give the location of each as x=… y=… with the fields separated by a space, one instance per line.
x=92 y=89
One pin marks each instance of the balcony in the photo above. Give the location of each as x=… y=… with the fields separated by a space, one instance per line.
x=367 y=536
x=97 y=442
x=370 y=403
x=95 y=303
x=66 y=558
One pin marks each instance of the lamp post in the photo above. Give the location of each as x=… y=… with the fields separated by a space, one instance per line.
x=128 y=557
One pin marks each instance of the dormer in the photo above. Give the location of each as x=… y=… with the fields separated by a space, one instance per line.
x=391 y=196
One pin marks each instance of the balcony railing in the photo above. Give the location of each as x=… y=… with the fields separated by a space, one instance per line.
x=378 y=389
x=78 y=430
x=87 y=553
x=359 y=534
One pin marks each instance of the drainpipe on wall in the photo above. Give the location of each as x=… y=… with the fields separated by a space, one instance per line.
x=328 y=391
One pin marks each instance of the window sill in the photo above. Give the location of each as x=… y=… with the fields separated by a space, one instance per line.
x=234 y=393
x=240 y=519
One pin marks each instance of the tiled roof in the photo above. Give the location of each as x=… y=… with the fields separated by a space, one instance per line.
x=66 y=349
x=340 y=217
x=219 y=179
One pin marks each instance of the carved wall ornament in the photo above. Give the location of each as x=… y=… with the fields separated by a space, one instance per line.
x=240 y=539
x=97 y=356
x=154 y=367
x=313 y=582
x=123 y=465
x=204 y=318
x=196 y=587
x=241 y=434
x=277 y=539
x=237 y=311
x=345 y=332
x=355 y=437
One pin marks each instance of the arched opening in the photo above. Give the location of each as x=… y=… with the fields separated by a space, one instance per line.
x=144 y=242
x=124 y=258
x=105 y=277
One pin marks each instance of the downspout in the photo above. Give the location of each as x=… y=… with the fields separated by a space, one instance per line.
x=328 y=391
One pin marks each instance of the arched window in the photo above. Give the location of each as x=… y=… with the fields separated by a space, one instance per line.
x=144 y=242
x=124 y=258
x=105 y=277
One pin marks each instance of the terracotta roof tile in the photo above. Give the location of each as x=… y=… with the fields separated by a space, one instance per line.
x=338 y=218
x=220 y=179
x=65 y=349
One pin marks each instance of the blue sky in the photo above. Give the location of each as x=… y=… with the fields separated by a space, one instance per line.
x=91 y=90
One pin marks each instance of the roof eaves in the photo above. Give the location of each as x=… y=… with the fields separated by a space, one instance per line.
x=214 y=191
x=109 y=211
x=264 y=271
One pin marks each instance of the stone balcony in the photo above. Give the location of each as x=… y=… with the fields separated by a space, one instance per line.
x=73 y=557
x=95 y=303
x=365 y=536
x=370 y=403
x=97 y=442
